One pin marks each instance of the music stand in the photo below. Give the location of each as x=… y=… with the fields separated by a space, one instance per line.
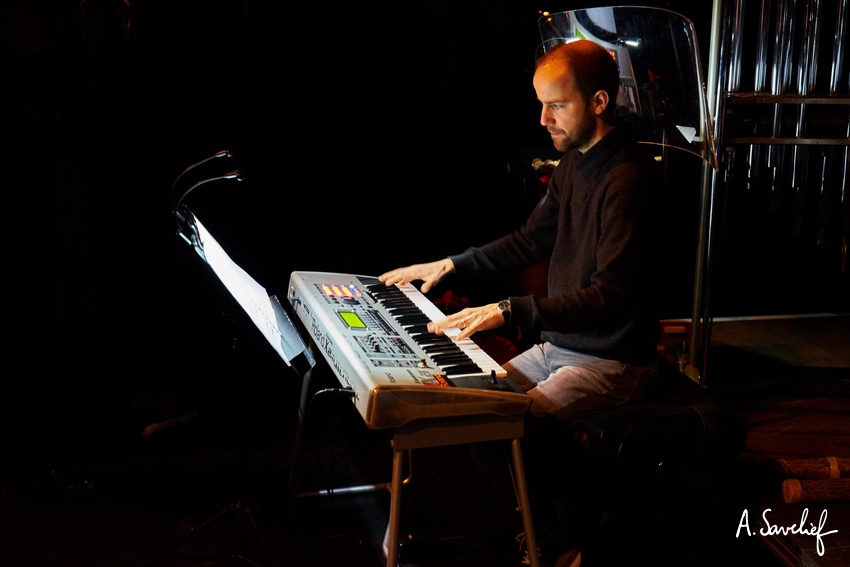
x=264 y=310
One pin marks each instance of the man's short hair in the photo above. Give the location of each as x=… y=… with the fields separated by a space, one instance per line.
x=594 y=69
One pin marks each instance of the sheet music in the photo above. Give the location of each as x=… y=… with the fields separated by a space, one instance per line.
x=265 y=311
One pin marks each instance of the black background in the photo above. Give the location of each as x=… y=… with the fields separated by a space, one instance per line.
x=367 y=137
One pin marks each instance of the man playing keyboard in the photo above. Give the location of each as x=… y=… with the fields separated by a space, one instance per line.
x=597 y=324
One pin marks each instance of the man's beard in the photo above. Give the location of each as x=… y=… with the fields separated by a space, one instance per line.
x=580 y=138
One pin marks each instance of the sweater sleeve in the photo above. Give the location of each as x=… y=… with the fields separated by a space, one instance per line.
x=516 y=250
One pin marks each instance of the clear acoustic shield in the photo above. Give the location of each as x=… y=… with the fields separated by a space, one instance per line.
x=662 y=92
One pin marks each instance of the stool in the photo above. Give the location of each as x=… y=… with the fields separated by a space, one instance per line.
x=644 y=456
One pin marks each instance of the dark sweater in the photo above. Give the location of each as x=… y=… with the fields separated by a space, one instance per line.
x=596 y=225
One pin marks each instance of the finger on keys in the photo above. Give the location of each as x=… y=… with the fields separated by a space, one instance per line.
x=388 y=278
x=439 y=327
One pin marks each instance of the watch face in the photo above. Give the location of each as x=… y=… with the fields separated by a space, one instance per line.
x=504 y=305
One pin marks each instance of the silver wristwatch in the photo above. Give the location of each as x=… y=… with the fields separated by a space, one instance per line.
x=505 y=309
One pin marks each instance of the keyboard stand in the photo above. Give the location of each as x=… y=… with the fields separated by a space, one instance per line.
x=298 y=443
x=422 y=434
x=457 y=431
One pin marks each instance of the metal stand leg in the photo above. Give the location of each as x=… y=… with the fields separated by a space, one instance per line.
x=299 y=432
x=524 y=503
x=298 y=450
x=442 y=432
x=391 y=542
x=391 y=537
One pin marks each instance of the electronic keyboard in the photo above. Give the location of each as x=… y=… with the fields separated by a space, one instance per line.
x=375 y=340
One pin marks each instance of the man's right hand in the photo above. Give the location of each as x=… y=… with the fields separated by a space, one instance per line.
x=429 y=274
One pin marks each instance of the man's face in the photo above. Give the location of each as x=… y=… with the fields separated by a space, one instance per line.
x=566 y=114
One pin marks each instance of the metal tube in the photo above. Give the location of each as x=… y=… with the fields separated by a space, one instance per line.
x=824 y=195
x=733 y=37
x=697 y=359
x=781 y=79
x=839 y=52
x=782 y=35
x=844 y=261
x=759 y=85
x=839 y=49
x=808 y=65
x=713 y=53
x=788 y=36
x=736 y=28
x=806 y=78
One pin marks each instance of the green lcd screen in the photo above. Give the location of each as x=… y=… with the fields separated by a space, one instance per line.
x=352 y=319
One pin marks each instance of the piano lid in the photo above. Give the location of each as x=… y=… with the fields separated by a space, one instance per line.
x=661 y=86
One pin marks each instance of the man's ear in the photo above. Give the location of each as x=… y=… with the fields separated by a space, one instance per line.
x=599 y=101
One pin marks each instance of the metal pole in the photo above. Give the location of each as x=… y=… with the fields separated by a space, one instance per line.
x=697 y=358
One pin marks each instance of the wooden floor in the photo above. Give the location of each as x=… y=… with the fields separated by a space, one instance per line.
x=816 y=426
x=210 y=492
x=790 y=377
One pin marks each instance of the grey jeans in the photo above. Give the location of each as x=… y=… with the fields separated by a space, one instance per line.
x=563 y=383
